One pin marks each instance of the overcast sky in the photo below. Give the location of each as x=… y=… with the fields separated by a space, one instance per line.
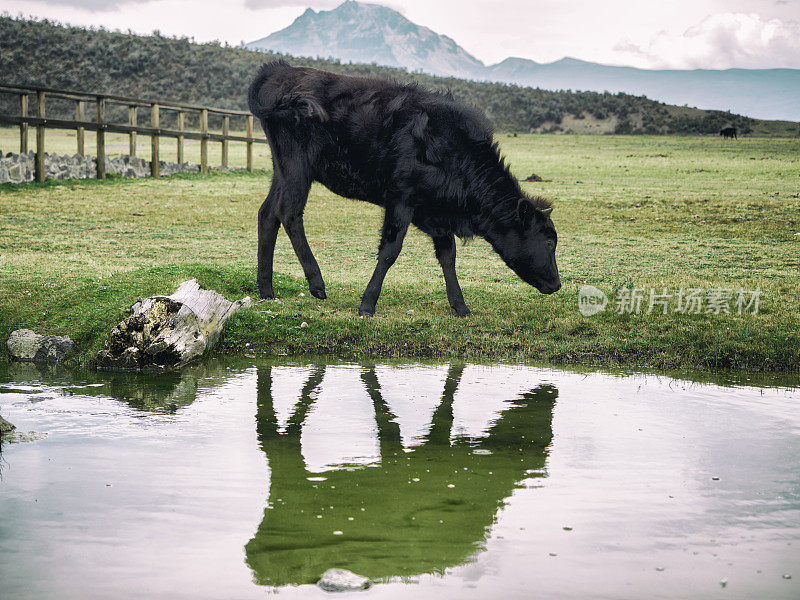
x=673 y=34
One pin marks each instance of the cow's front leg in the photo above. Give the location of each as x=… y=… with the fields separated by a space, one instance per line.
x=395 y=226
x=445 y=247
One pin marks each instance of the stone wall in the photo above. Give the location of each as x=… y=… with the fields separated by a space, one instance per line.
x=19 y=168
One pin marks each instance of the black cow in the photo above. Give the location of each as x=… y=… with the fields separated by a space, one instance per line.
x=728 y=132
x=425 y=158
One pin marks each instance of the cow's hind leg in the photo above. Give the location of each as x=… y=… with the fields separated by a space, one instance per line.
x=285 y=204
x=445 y=247
x=268 y=225
x=395 y=226
x=291 y=204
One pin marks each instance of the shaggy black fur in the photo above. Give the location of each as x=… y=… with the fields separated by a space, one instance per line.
x=425 y=158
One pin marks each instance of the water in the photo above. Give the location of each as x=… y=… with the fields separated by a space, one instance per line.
x=236 y=480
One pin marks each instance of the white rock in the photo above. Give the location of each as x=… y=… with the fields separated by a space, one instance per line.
x=342 y=580
x=27 y=346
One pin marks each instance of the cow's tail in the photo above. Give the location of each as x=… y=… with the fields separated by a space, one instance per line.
x=268 y=102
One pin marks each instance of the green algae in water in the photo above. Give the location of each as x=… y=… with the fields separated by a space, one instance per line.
x=17 y=437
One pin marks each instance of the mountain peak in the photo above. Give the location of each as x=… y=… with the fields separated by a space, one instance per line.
x=371 y=33
x=361 y=32
x=513 y=61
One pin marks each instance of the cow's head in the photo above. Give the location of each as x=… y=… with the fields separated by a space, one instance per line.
x=528 y=246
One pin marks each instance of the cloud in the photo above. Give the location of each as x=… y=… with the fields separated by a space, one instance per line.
x=96 y=5
x=259 y=4
x=722 y=41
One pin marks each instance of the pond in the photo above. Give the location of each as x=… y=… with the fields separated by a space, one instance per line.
x=240 y=479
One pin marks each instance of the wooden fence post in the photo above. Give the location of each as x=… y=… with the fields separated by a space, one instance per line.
x=225 y=130
x=23 y=127
x=250 y=143
x=180 y=137
x=155 y=167
x=39 y=165
x=80 y=115
x=132 y=134
x=101 y=137
x=204 y=141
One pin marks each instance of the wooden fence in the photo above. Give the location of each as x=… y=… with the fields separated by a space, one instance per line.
x=132 y=128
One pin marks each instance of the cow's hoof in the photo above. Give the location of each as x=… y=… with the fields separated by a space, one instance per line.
x=266 y=294
x=462 y=311
x=366 y=312
x=319 y=294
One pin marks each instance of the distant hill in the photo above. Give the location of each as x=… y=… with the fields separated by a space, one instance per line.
x=47 y=53
x=369 y=33
x=761 y=93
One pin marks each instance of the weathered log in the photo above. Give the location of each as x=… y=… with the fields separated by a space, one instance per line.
x=167 y=332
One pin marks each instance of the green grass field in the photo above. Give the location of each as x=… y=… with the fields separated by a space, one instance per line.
x=631 y=212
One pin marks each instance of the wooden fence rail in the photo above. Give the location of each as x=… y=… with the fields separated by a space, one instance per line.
x=101 y=126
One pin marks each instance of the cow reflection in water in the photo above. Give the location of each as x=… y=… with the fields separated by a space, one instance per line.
x=418 y=511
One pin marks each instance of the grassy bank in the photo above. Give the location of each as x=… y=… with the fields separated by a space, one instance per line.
x=644 y=212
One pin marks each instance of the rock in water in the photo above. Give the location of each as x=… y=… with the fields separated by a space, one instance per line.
x=342 y=580
x=165 y=332
x=27 y=346
x=5 y=426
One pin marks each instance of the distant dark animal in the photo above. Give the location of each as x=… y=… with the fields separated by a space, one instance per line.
x=728 y=132
x=425 y=158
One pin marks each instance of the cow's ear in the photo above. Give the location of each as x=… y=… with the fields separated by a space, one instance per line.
x=525 y=211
